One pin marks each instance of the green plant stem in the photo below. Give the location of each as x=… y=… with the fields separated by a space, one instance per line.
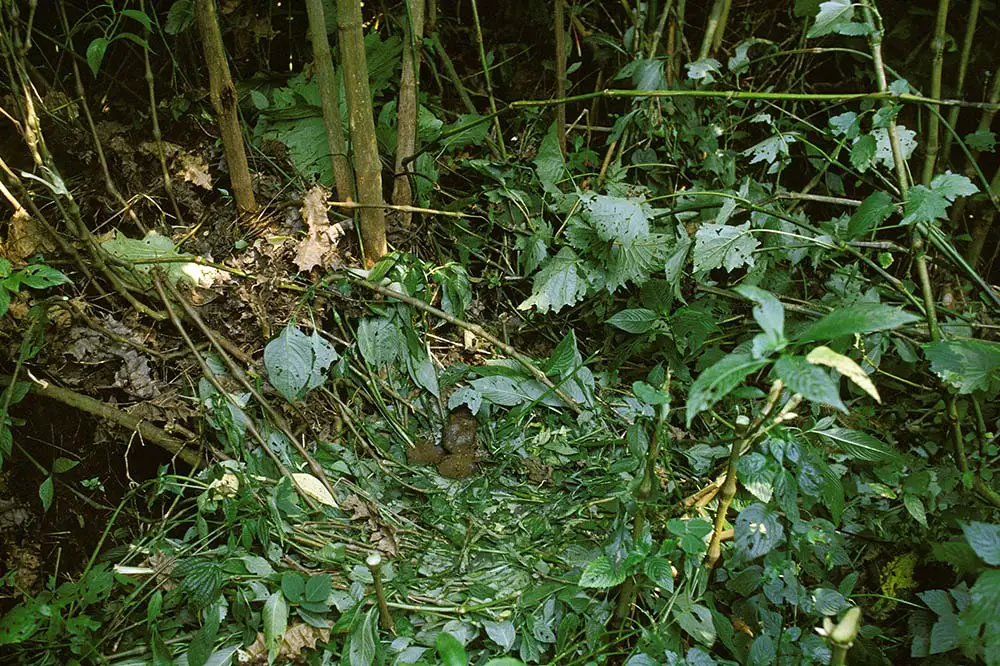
x=963 y=67
x=937 y=64
x=487 y=80
x=559 y=25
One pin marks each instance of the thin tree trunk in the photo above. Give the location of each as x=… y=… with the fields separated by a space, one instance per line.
x=937 y=65
x=963 y=68
x=367 y=167
x=223 y=94
x=407 y=110
x=329 y=96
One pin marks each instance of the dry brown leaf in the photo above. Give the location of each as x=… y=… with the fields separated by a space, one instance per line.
x=194 y=169
x=297 y=639
x=26 y=237
x=319 y=246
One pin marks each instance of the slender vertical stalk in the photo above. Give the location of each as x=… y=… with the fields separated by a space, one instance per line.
x=488 y=80
x=937 y=65
x=367 y=166
x=654 y=42
x=560 y=32
x=720 y=30
x=714 y=19
x=406 y=110
x=963 y=68
x=981 y=228
x=223 y=94
x=329 y=98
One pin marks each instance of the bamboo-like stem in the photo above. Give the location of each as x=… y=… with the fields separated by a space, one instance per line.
x=720 y=29
x=406 y=110
x=714 y=20
x=329 y=98
x=981 y=229
x=367 y=166
x=963 y=67
x=559 y=22
x=488 y=80
x=654 y=42
x=937 y=65
x=223 y=94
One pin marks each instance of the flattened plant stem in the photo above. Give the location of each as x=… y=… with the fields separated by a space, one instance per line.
x=488 y=80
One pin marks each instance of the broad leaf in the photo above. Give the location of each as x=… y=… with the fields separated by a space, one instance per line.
x=561 y=282
x=846 y=366
x=858 y=318
x=638 y=320
x=860 y=445
x=968 y=365
x=985 y=540
x=757 y=531
x=717 y=381
x=275 y=618
x=872 y=212
x=718 y=245
x=601 y=573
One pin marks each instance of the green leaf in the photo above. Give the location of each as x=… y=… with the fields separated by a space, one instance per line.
x=289 y=360
x=983 y=141
x=451 y=650
x=873 y=211
x=61 y=465
x=19 y=624
x=636 y=320
x=4 y=300
x=95 y=54
x=812 y=382
x=696 y=621
x=616 y=219
x=200 y=648
x=501 y=633
x=915 y=508
x=275 y=618
x=757 y=531
x=985 y=540
x=139 y=16
x=660 y=571
x=968 y=365
x=924 y=205
x=180 y=16
x=768 y=312
x=293 y=586
x=858 y=318
x=380 y=341
x=40 y=276
x=952 y=185
x=846 y=125
x=863 y=152
x=46 y=492
x=763 y=651
x=601 y=573
x=717 y=245
x=561 y=282
x=549 y=165
x=564 y=358
x=317 y=588
x=832 y=14
x=500 y=390
x=650 y=395
x=757 y=473
x=860 y=445
x=717 y=381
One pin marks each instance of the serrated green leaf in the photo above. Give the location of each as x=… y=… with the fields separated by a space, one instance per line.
x=952 y=185
x=858 y=318
x=636 y=320
x=718 y=245
x=601 y=573
x=564 y=358
x=984 y=538
x=968 y=365
x=860 y=445
x=863 y=152
x=616 y=219
x=845 y=125
x=717 y=381
x=832 y=15
x=873 y=211
x=561 y=282
x=660 y=571
x=549 y=164
x=983 y=141
x=924 y=205
x=180 y=16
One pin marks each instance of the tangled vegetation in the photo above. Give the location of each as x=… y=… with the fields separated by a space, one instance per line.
x=568 y=332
